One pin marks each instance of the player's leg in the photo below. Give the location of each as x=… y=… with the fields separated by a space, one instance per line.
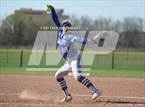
x=83 y=80
x=59 y=75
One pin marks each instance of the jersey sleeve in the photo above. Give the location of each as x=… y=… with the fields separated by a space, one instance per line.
x=55 y=18
x=79 y=39
x=57 y=23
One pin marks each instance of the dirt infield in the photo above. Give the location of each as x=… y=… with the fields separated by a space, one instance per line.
x=42 y=91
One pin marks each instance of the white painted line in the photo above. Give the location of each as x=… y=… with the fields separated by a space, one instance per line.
x=84 y=73
x=42 y=69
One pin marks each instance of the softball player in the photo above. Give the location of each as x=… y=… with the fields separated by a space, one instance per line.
x=65 y=44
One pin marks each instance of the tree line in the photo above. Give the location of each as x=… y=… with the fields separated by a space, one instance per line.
x=16 y=30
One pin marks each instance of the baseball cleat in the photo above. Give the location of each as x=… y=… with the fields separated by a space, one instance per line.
x=96 y=95
x=67 y=98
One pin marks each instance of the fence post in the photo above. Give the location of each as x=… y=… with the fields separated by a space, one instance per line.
x=21 y=58
x=113 y=58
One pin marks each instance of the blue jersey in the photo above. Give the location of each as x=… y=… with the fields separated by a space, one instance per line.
x=65 y=43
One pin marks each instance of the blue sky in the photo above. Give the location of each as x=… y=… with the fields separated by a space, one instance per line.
x=116 y=9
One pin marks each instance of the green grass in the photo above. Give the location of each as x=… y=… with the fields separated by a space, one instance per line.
x=126 y=64
x=123 y=60
x=97 y=72
x=22 y=71
x=118 y=73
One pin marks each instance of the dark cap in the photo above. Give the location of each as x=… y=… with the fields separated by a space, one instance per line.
x=66 y=24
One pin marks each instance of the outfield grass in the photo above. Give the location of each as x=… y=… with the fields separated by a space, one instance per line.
x=97 y=72
x=130 y=64
x=122 y=60
x=118 y=73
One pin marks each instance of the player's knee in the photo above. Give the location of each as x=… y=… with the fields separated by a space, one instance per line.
x=79 y=78
x=57 y=76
